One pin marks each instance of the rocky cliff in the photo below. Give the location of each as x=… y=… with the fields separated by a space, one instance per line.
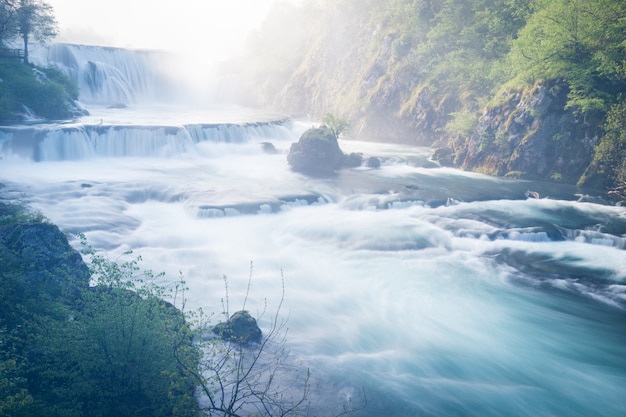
x=478 y=84
x=529 y=134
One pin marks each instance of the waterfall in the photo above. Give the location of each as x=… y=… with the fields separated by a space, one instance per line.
x=109 y=76
x=84 y=141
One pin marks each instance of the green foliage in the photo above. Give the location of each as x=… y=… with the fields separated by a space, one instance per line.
x=27 y=19
x=608 y=168
x=56 y=76
x=462 y=124
x=50 y=97
x=34 y=19
x=14 y=213
x=15 y=396
x=403 y=67
x=8 y=9
x=115 y=348
x=129 y=344
x=580 y=41
x=124 y=346
x=368 y=58
x=556 y=176
x=335 y=124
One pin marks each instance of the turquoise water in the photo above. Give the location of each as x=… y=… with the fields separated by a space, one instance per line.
x=420 y=290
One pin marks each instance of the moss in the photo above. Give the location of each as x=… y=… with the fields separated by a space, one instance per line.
x=462 y=124
x=514 y=174
x=608 y=167
x=487 y=170
x=556 y=177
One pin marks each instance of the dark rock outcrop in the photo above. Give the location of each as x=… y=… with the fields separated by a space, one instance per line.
x=50 y=263
x=317 y=153
x=241 y=327
x=373 y=162
x=352 y=160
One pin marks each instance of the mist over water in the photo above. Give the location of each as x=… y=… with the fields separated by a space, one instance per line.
x=436 y=292
x=110 y=76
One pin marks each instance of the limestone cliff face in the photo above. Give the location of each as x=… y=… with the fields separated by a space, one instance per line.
x=407 y=74
x=355 y=81
x=359 y=71
x=530 y=135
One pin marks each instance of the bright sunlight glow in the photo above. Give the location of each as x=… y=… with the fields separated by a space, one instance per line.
x=216 y=29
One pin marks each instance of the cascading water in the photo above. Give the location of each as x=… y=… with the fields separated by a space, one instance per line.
x=110 y=76
x=433 y=291
x=82 y=141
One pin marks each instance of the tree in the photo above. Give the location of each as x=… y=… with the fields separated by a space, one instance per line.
x=14 y=395
x=8 y=10
x=608 y=168
x=234 y=379
x=335 y=124
x=580 y=41
x=35 y=18
x=127 y=344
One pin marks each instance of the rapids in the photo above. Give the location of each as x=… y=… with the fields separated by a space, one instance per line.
x=434 y=291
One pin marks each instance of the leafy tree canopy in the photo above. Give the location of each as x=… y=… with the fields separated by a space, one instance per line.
x=582 y=42
x=27 y=19
x=335 y=124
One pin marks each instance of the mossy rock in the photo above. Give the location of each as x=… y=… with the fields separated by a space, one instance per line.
x=241 y=327
x=317 y=153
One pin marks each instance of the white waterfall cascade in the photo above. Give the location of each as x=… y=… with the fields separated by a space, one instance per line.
x=85 y=141
x=111 y=76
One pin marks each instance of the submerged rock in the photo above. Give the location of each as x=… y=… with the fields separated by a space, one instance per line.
x=269 y=148
x=352 y=160
x=241 y=327
x=373 y=162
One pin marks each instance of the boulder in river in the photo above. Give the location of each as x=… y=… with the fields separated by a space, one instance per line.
x=241 y=327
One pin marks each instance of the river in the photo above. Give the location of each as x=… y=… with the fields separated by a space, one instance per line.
x=433 y=291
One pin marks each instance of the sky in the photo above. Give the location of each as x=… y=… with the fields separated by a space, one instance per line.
x=213 y=27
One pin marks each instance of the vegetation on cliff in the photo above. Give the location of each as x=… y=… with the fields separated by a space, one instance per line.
x=44 y=92
x=71 y=349
x=103 y=338
x=27 y=91
x=425 y=72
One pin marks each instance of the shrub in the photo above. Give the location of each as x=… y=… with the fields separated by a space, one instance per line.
x=50 y=97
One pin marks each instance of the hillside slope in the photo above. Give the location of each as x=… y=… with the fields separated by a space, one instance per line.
x=503 y=87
